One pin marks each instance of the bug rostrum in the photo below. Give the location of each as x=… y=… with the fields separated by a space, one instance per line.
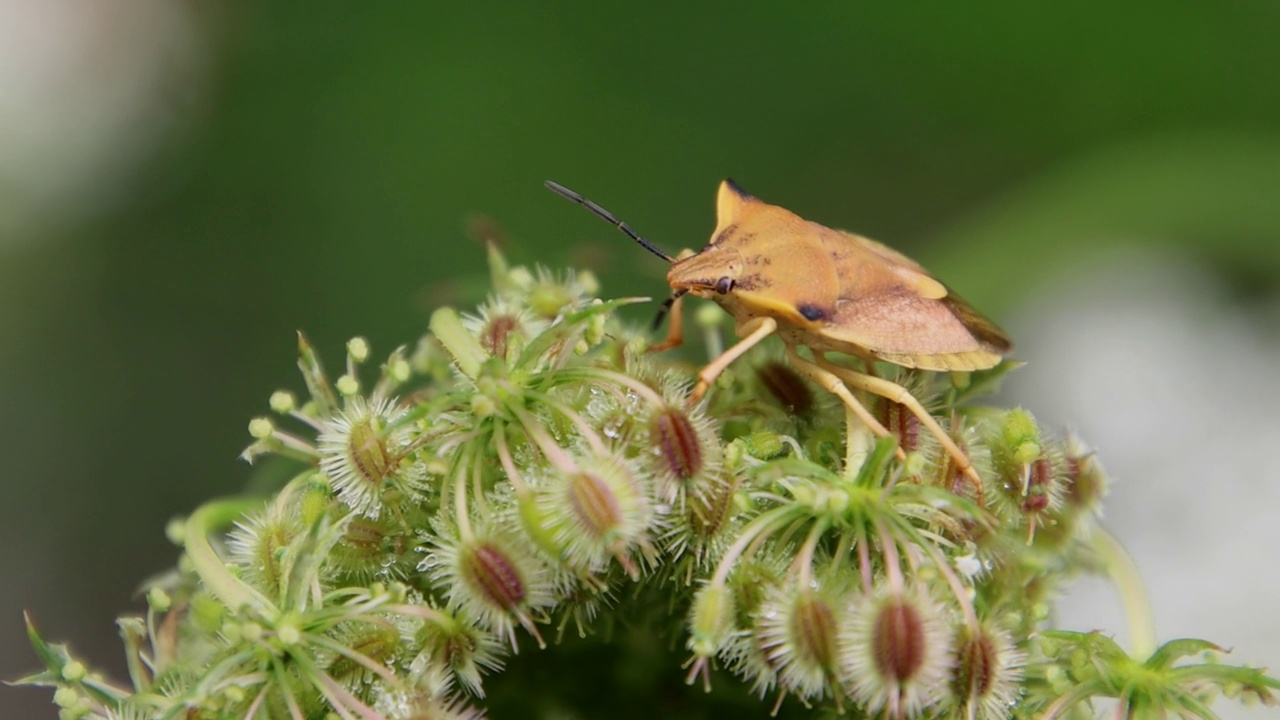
x=829 y=291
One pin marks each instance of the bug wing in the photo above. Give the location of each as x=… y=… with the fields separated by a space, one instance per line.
x=891 y=308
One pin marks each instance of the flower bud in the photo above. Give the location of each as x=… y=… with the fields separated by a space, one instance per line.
x=261 y=428
x=282 y=401
x=347 y=385
x=710 y=626
x=358 y=349
x=1020 y=436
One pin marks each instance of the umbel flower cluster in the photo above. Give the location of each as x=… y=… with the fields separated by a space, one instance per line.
x=528 y=475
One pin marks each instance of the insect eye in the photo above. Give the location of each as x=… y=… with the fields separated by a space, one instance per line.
x=724 y=285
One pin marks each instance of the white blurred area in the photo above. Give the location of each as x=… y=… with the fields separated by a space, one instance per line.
x=1179 y=392
x=89 y=89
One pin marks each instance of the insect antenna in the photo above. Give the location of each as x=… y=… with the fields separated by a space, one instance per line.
x=666 y=307
x=565 y=192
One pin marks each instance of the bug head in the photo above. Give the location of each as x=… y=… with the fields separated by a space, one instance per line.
x=762 y=260
x=714 y=270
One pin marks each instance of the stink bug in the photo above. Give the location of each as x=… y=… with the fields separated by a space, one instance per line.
x=829 y=291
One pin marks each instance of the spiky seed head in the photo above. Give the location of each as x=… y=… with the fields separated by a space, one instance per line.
x=599 y=511
x=1033 y=498
x=489 y=572
x=986 y=671
x=457 y=652
x=260 y=546
x=901 y=422
x=594 y=503
x=426 y=706
x=551 y=294
x=676 y=443
x=798 y=629
x=362 y=453
x=503 y=328
x=376 y=641
x=786 y=386
x=370 y=548
x=491 y=577
x=684 y=448
x=897 y=651
x=709 y=509
x=1086 y=482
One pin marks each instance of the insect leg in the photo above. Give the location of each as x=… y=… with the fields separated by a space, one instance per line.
x=675 y=331
x=896 y=393
x=753 y=332
x=829 y=382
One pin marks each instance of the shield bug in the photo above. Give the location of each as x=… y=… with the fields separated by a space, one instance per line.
x=829 y=291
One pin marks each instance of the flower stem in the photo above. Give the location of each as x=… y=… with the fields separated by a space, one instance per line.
x=1122 y=571
x=228 y=588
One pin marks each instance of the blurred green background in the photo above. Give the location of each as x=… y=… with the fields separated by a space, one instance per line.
x=184 y=185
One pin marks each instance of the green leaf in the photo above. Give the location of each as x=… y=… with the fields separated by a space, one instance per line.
x=871 y=474
x=1100 y=646
x=458 y=341
x=944 y=500
x=1251 y=679
x=1166 y=654
x=54 y=657
x=314 y=377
